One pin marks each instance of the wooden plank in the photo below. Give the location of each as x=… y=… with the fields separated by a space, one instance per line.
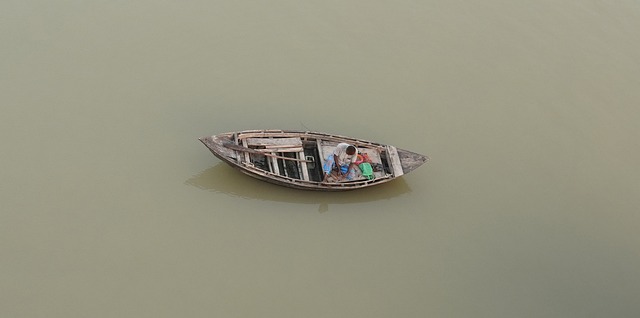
x=246 y=154
x=278 y=146
x=354 y=183
x=303 y=166
x=307 y=135
x=278 y=142
x=278 y=150
x=394 y=161
x=320 y=153
x=247 y=150
x=274 y=165
x=244 y=135
x=285 y=171
x=255 y=151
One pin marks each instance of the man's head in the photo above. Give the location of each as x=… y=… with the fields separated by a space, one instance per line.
x=351 y=150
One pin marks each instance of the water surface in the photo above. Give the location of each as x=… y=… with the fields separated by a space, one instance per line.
x=112 y=208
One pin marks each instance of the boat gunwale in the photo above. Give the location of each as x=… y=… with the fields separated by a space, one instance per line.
x=218 y=142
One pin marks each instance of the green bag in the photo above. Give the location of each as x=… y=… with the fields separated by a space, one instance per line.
x=367 y=170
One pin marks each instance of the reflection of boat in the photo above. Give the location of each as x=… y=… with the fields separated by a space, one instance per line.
x=221 y=178
x=295 y=158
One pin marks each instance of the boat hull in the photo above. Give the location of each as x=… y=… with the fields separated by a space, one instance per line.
x=294 y=158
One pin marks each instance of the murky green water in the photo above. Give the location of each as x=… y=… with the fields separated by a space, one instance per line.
x=110 y=207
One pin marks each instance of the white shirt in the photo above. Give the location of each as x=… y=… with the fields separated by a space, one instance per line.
x=343 y=157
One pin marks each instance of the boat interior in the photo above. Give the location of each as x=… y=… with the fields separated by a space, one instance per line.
x=302 y=158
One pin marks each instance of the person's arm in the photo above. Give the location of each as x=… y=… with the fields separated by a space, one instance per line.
x=352 y=163
x=352 y=166
x=336 y=164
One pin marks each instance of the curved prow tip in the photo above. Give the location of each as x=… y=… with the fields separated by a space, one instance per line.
x=207 y=141
x=412 y=160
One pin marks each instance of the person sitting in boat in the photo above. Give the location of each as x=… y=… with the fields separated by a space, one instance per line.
x=343 y=161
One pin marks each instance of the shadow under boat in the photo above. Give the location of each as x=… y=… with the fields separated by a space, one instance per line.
x=222 y=178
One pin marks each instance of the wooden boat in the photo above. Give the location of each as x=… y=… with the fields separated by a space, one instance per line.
x=295 y=158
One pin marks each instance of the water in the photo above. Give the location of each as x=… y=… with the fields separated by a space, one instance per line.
x=112 y=208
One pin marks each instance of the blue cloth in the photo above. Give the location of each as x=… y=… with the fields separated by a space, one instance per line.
x=328 y=165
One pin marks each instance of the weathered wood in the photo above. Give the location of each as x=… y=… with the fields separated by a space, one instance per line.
x=245 y=154
x=411 y=160
x=267 y=150
x=320 y=153
x=359 y=182
x=308 y=135
x=303 y=166
x=279 y=146
x=394 y=161
x=275 y=142
x=248 y=150
x=273 y=164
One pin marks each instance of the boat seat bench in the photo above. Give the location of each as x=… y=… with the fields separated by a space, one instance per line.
x=274 y=142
